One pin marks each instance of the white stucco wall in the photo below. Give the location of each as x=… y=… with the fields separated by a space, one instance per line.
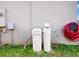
x=56 y=13
x=28 y=16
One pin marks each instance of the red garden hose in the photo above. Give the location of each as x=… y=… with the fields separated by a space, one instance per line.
x=71 y=35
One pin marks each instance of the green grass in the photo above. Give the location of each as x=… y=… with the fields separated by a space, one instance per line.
x=18 y=51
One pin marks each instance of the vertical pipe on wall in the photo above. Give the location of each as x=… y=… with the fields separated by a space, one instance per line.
x=0 y=38
x=77 y=12
x=30 y=16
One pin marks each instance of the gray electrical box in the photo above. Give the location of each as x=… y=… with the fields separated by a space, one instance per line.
x=11 y=26
x=2 y=18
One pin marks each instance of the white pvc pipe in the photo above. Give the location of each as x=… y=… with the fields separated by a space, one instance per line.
x=47 y=39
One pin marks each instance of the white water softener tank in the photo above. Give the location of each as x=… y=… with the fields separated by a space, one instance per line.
x=47 y=37
x=37 y=39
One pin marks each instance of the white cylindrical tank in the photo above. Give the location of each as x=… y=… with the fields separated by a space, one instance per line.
x=47 y=37
x=37 y=39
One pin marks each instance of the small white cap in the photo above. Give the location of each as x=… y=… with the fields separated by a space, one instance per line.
x=46 y=25
x=37 y=29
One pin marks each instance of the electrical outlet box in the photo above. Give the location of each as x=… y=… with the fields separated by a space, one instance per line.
x=2 y=18
x=11 y=26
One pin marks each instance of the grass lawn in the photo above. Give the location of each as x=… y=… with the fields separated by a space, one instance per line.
x=18 y=51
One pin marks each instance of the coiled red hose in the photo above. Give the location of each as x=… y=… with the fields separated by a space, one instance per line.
x=72 y=36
